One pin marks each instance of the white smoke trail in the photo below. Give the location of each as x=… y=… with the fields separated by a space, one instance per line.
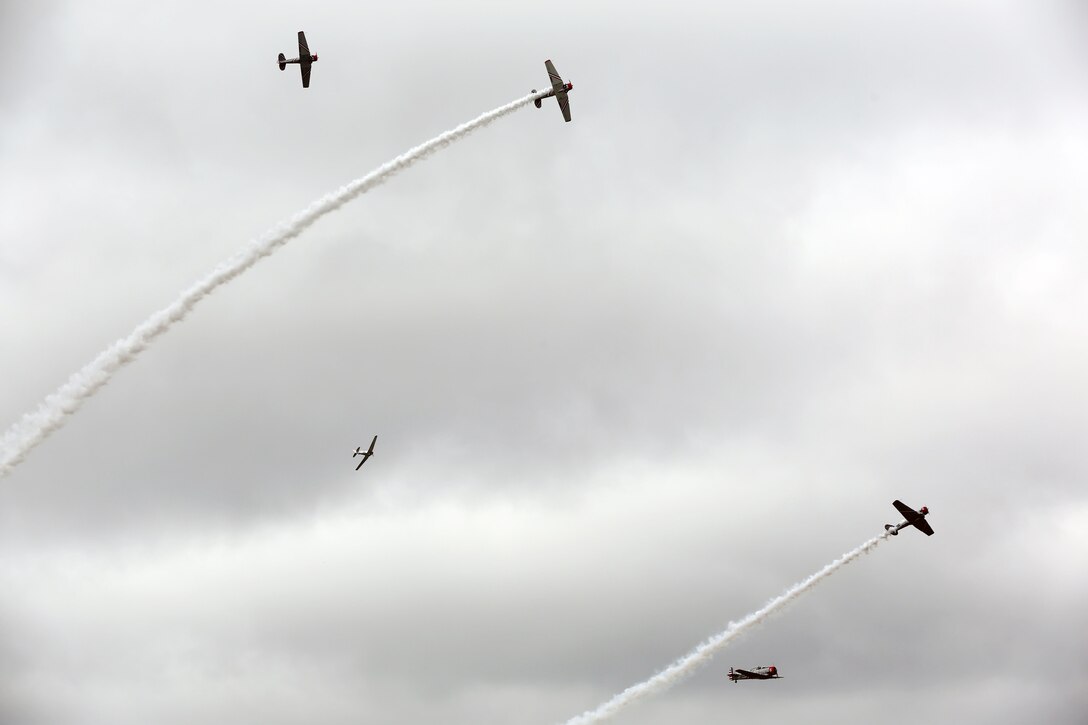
x=702 y=654
x=53 y=412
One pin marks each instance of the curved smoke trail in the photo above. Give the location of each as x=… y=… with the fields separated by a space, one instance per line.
x=702 y=654
x=53 y=412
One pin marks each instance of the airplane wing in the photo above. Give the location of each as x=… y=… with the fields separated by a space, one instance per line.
x=305 y=70
x=564 y=104
x=303 y=49
x=362 y=462
x=753 y=675
x=913 y=517
x=553 y=74
x=908 y=513
x=371 y=449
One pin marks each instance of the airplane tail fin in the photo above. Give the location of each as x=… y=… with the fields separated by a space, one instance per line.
x=536 y=101
x=358 y=451
x=283 y=59
x=891 y=529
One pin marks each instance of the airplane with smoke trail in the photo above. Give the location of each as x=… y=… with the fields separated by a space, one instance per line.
x=758 y=672
x=917 y=519
x=304 y=59
x=60 y=405
x=559 y=90
x=703 y=653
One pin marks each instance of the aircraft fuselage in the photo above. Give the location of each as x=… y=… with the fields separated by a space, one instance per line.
x=893 y=530
x=549 y=94
x=756 y=673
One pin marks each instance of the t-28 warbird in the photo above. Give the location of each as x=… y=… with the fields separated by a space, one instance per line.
x=304 y=59
x=756 y=673
x=917 y=519
x=559 y=90
x=365 y=454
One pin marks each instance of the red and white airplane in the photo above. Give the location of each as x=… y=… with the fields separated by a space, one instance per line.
x=917 y=519
x=756 y=673
x=559 y=90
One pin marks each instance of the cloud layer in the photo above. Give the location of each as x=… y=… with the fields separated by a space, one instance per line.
x=632 y=375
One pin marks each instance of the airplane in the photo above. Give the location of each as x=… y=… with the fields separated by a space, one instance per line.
x=559 y=90
x=365 y=454
x=304 y=59
x=917 y=519
x=756 y=673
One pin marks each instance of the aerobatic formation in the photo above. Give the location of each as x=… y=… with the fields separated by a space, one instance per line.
x=33 y=428
x=704 y=652
x=59 y=406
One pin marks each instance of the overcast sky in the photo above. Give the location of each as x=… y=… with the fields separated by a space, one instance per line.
x=632 y=376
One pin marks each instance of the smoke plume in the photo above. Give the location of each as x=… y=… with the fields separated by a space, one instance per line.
x=702 y=654
x=54 y=411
